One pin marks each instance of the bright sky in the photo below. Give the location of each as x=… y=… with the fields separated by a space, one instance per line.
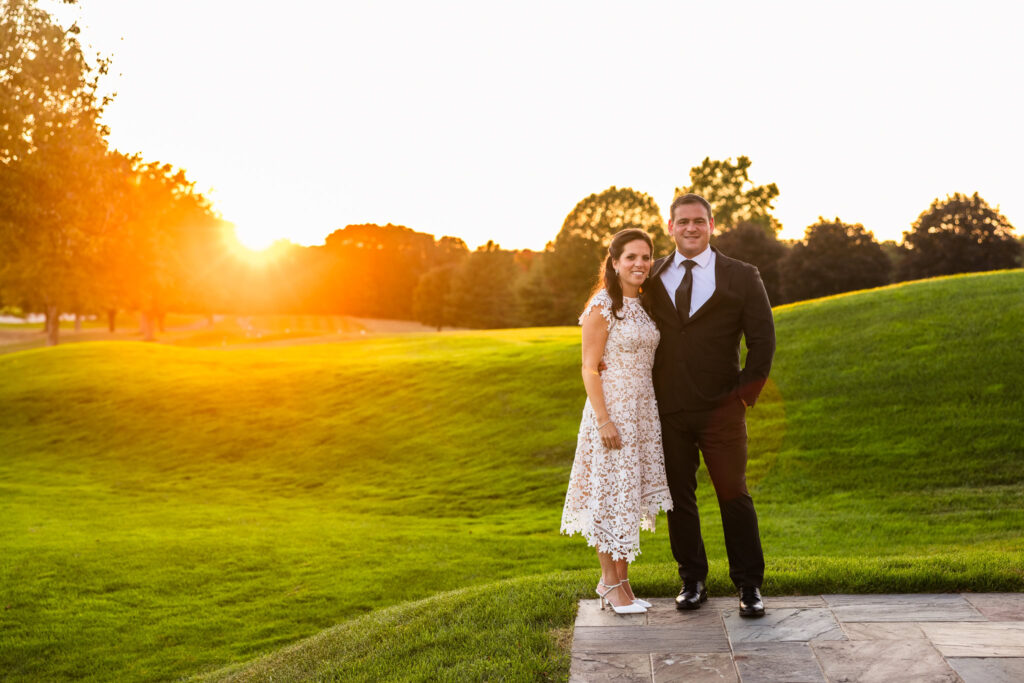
x=489 y=120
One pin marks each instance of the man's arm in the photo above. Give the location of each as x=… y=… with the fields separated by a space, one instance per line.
x=759 y=333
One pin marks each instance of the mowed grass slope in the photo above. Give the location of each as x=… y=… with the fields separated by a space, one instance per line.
x=167 y=511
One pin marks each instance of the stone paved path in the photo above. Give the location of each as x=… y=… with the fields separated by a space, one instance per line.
x=969 y=637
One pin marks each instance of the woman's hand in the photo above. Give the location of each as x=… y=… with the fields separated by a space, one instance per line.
x=610 y=435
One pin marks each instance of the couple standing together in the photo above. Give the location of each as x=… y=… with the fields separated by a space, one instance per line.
x=664 y=385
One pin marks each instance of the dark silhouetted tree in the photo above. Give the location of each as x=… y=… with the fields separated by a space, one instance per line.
x=895 y=253
x=834 y=257
x=734 y=198
x=750 y=242
x=959 y=234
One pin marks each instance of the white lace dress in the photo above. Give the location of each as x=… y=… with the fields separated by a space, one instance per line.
x=614 y=493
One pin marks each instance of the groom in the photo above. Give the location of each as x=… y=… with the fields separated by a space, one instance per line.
x=703 y=302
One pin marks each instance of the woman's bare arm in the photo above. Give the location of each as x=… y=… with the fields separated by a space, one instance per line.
x=595 y=336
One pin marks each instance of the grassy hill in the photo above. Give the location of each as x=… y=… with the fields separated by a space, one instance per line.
x=168 y=511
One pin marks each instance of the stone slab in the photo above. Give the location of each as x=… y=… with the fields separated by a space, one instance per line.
x=671 y=638
x=591 y=614
x=610 y=668
x=661 y=603
x=988 y=639
x=883 y=661
x=998 y=606
x=903 y=607
x=783 y=625
x=712 y=604
x=708 y=617
x=882 y=630
x=774 y=662
x=694 y=668
x=788 y=601
x=725 y=603
x=988 y=670
x=722 y=603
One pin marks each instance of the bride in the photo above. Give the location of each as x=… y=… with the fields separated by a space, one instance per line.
x=617 y=483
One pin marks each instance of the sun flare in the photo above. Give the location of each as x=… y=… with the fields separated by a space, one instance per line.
x=255 y=238
x=255 y=249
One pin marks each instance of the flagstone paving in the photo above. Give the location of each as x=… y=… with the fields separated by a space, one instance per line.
x=954 y=637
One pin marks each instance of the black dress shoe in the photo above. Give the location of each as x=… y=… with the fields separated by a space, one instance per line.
x=750 y=602
x=693 y=593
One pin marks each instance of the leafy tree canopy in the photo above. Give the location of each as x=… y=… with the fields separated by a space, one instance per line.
x=834 y=257
x=598 y=217
x=733 y=197
x=959 y=234
x=581 y=245
x=482 y=289
x=46 y=82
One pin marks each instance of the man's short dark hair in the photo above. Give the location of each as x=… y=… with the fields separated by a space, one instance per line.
x=688 y=198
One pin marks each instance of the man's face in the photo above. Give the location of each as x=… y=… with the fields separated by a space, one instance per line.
x=691 y=228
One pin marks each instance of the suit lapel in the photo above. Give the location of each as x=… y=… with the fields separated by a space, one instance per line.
x=656 y=287
x=723 y=281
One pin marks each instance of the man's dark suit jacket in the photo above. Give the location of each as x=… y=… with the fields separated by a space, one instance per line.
x=697 y=364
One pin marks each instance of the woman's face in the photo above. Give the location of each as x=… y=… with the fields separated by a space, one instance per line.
x=634 y=264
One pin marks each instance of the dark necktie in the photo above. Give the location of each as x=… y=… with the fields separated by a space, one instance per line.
x=684 y=291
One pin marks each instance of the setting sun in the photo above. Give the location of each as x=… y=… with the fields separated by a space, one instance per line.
x=255 y=237
x=252 y=248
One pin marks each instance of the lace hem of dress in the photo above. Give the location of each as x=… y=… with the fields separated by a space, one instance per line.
x=597 y=536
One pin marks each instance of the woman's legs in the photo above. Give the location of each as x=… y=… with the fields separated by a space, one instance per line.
x=622 y=572
x=610 y=575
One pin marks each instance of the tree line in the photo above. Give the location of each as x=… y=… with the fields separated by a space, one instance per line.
x=958 y=234
x=91 y=230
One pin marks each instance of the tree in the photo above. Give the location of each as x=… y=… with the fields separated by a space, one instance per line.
x=375 y=268
x=46 y=83
x=733 y=197
x=166 y=251
x=53 y=160
x=895 y=254
x=53 y=220
x=750 y=242
x=431 y=304
x=960 y=234
x=575 y=257
x=482 y=291
x=431 y=300
x=834 y=257
x=538 y=305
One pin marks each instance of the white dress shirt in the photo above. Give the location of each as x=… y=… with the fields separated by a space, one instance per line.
x=703 y=277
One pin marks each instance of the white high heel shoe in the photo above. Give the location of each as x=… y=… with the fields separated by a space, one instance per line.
x=638 y=601
x=632 y=608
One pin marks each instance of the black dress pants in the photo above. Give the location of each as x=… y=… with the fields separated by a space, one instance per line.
x=721 y=436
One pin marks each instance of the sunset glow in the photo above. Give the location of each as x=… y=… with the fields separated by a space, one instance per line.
x=491 y=121
x=256 y=237
x=257 y=252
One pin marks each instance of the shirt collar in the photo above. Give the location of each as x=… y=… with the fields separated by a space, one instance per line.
x=702 y=259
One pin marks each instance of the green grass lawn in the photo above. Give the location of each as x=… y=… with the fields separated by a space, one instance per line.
x=389 y=508
x=187 y=330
